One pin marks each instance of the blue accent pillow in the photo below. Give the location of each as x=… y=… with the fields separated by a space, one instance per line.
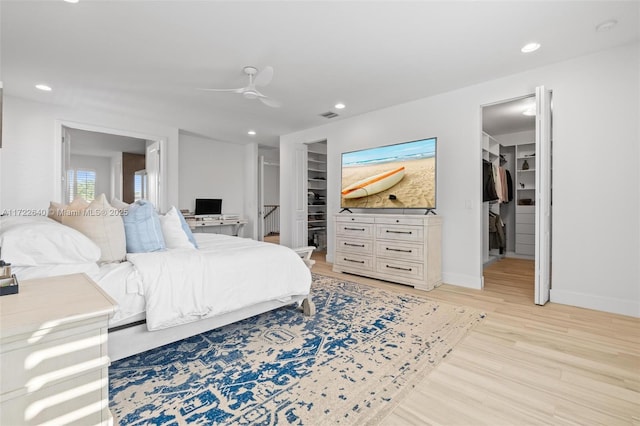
x=186 y=229
x=142 y=228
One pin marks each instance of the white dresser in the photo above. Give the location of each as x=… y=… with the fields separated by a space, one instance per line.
x=53 y=353
x=404 y=249
x=526 y=230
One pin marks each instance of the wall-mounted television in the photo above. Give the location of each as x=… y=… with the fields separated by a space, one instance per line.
x=400 y=176
x=208 y=207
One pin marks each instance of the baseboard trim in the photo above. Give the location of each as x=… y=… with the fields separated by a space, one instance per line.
x=599 y=303
x=460 y=280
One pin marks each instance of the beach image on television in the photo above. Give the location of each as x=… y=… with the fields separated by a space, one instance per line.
x=392 y=176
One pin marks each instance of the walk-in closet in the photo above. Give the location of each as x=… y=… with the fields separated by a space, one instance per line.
x=508 y=191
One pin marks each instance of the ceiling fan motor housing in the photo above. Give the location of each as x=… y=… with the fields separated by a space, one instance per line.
x=250 y=94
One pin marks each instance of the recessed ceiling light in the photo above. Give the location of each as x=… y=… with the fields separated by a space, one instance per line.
x=530 y=47
x=606 y=25
x=340 y=105
x=72 y=1
x=251 y=132
x=530 y=112
x=43 y=87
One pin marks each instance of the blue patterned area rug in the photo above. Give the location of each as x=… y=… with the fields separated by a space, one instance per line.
x=348 y=364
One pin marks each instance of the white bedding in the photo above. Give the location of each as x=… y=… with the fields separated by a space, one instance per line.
x=225 y=274
x=121 y=282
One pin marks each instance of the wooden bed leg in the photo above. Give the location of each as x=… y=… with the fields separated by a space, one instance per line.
x=308 y=307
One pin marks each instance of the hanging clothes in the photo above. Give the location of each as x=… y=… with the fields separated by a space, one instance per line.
x=488 y=182
x=504 y=193
x=509 y=186
x=497 y=238
x=497 y=181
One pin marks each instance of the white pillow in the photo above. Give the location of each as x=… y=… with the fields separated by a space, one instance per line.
x=174 y=235
x=43 y=271
x=119 y=204
x=39 y=241
x=103 y=225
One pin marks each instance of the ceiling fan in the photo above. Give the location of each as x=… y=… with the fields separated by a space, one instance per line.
x=256 y=78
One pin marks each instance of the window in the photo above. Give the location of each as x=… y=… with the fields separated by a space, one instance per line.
x=140 y=185
x=82 y=183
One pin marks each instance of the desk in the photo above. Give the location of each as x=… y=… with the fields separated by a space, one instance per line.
x=213 y=225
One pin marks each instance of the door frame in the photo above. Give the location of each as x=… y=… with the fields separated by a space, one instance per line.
x=57 y=158
x=542 y=239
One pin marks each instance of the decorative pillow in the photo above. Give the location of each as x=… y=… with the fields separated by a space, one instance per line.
x=142 y=228
x=186 y=229
x=39 y=241
x=174 y=235
x=119 y=204
x=102 y=224
x=55 y=211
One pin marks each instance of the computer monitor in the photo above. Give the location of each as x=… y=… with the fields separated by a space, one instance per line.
x=208 y=206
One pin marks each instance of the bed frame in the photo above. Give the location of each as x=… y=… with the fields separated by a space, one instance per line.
x=134 y=338
x=131 y=339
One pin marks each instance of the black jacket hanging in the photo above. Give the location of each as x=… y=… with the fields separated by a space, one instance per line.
x=488 y=184
x=509 y=186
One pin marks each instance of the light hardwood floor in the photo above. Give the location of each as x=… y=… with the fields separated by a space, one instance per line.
x=524 y=364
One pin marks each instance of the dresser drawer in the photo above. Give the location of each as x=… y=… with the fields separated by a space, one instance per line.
x=354 y=260
x=357 y=230
x=52 y=405
x=525 y=218
x=400 y=250
x=525 y=209
x=526 y=239
x=400 y=221
x=354 y=219
x=400 y=232
x=55 y=357
x=526 y=228
x=528 y=249
x=397 y=268
x=353 y=245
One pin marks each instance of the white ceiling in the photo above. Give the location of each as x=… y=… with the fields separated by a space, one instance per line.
x=145 y=59
x=507 y=117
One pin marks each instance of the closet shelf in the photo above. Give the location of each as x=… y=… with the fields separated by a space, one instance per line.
x=526 y=170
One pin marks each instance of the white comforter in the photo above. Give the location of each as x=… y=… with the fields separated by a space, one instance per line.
x=224 y=274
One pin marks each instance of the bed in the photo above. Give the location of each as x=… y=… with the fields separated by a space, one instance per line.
x=168 y=295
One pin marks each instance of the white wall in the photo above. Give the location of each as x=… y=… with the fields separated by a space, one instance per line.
x=102 y=167
x=215 y=169
x=510 y=139
x=85 y=142
x=596 y=249
x=31 y=154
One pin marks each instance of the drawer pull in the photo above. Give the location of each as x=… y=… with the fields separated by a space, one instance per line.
x=399 y=232
x=397 y=267
x=400 y=250
x=346 y=228
x=354 y=245
x=354 y=261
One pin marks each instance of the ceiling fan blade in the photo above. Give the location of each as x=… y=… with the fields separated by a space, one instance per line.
x=270 y=102
x=264 y=77
x=238 y=90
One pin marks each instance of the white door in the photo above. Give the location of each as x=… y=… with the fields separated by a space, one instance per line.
x=65 y=179
x=152 y=167
x=300 y=231
x=543 y=195
x=261 y=198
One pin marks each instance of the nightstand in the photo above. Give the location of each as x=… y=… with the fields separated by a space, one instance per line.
x=53 y=353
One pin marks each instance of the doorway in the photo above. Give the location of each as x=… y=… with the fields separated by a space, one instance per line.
x=516 y=138
x=123 y=165
x=269 y=194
